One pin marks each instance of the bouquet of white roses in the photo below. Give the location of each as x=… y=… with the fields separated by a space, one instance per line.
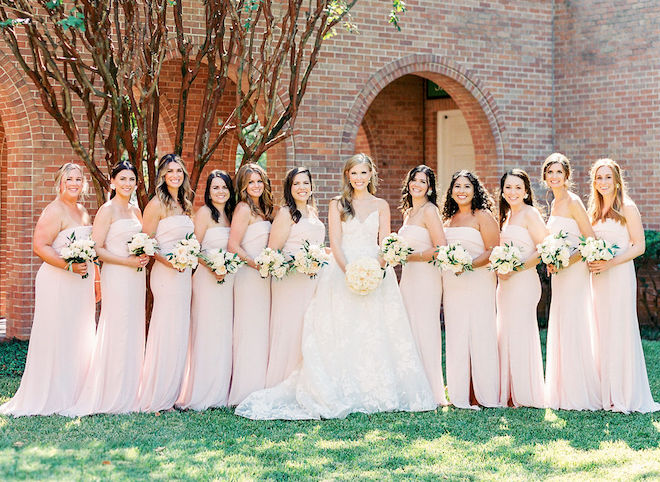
x=185 y=253
x=395 y=250
x=452 y=257
x=596 y=249
x=141 y=244
x=221 y=262
x=555 y=250
x=272 y=262
x=310 y=259
x=363 y=276
x=78 y=251
x=505 y=258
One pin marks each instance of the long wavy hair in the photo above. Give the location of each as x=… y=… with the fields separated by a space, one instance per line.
x=596 y=201
x=63 y=171
x=432 y=194
x=231 y=202
x=529 y=193
x=184 y=194
x=345 y=199
x=116 y=169
x=480 y=200
x=288 y=197
x=264 y=208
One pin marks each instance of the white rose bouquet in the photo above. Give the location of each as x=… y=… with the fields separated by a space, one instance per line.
x=596 y=249
x=272 y=262
x=363 y=276
x=395 y=250
x=78 y=251
x=141 y=244
x=310 y=259
x=555 y=250
x=452 y=257
x=221 y=262
x=505 y=258
x=185 y=253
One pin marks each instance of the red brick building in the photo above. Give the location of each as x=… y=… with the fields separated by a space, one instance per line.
x=524 y=79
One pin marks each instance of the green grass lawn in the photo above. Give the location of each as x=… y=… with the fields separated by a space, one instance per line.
x=448 y=443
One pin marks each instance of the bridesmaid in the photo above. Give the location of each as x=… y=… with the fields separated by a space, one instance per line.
x=421 y=283
x=615 y=218
x=208 y=367
x=62 y=337
x=167 y=217
x=572 y=380
x=518 y=294
x=295 y=223
x=469 y=297
x=248 y=237
x=113 y=379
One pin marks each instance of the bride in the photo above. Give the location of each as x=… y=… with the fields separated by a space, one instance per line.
x=358 y=351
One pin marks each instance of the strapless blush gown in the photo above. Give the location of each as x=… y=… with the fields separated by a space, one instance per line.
x=289 y=300
x=113 y=379
x=521 y=364
x=167 y=342
x=624 y=381
x=572 y=381
x=421 y=290
x=208 y=367
x=62 y=338
x=251 y=320
x=471 y=327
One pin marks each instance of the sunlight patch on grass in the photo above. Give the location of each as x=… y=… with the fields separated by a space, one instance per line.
x=553 y=418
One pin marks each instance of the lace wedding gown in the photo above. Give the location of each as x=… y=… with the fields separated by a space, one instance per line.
x=358 y=351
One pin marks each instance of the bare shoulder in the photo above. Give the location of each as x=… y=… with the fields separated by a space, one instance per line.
x=283 y=214
x=532 y=214
x=381 y=203
x=574 y=200
x=241 y=209
x=202 y=214
x=333 y=205
x=105 y=211
x=430 y=210
x=484 y=215
x=629 y=207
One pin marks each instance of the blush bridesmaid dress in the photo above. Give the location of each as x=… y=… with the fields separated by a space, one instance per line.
x=113 y=379
x=421 y=290
x=208 y=366
x=251 y=320
x=521 y=364
x=289 y=300
x=62 y=338
x=624 y=381
x=167 y=342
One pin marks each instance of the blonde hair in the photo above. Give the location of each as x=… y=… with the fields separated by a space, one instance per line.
x=345 y=199
x=596 y=201
x=184 y=193
x=265 y=207
x=564 y=162
x=63 y=171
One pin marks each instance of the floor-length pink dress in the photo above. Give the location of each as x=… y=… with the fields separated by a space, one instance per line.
x=421 y=290
x=62 y=338
x=624 y=381
x=167 y=342
x=471 y=327
x=290 y=297
x=521 y=364
x=251 y=320
x=208 y=366
x=572 y=381
x=113 y=379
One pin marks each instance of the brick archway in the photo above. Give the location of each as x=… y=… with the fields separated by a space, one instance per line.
x=469 y=93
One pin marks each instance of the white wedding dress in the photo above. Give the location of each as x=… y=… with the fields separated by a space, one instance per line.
x=359 y=354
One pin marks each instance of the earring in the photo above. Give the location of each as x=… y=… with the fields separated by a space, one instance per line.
x=112 y=187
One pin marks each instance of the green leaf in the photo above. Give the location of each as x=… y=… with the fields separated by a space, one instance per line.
x=75 y=20
x=52 y=4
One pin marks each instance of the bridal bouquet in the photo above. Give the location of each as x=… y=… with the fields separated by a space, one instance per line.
x=141 y=244
x=395 y=250
x=363 y=276
x=596 y=249
x=555 y=250
x=185 y=253
x=78 y=251
x=452 y=257
x=221 y=262
x=310 y=259
x=272 y=262
x=505 y=259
